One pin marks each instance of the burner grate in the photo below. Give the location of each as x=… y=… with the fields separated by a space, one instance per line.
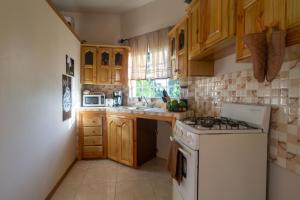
x=216 y=123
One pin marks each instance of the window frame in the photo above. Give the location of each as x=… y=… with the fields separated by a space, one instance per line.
x=133 y=88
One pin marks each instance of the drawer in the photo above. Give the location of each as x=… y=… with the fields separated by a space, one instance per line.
x=92 y=131
x=91 y=119
x=92 y=140
x=92 y=152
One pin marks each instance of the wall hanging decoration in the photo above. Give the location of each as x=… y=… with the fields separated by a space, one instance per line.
x=70 y=65
x=67 y=97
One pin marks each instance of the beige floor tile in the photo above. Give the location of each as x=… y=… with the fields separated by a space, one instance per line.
x=162 y=188
x=108 y=180
x=101 y=174
x=75 y=176
x=130 y=174
x=103 y=163
x=66 y=192
x=134 y=190
x=97 y=191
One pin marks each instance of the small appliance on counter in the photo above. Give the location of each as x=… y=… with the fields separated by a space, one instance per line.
x=93 y=100
x=117 y=98
x=109 y=102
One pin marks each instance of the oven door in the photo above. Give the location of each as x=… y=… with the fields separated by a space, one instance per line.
x=187 y=189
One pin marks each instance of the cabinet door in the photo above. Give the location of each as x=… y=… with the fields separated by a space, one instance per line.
x=120 y=140
x=194 y=28
x=112 y=137
x=249 y=14
x=104 y=68
x=104 y=75
x=182 y=60
x=105 y=57
x=293 y=21
x=173 y=43
x=125 y=133
x=118 y=76
x=119 y=66
x=88 y=65
x=119 y=57
x=214 y=18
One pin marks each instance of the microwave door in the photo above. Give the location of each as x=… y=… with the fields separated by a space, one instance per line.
x=91 y=101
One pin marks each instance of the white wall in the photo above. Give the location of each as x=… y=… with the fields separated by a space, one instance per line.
x=100 y=28
x=153 y=16
x=36 y=146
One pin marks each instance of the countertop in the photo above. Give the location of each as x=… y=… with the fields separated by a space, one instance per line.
x=140 y=113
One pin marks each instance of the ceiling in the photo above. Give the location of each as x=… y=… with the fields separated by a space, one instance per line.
x=106 y=6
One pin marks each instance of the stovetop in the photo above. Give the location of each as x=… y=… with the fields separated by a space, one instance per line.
x=216 y=123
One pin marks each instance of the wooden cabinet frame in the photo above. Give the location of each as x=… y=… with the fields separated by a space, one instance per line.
x=81 y=124
x=109 y=74
x=88 y=72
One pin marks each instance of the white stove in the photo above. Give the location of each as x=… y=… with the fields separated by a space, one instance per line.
x=231 y=148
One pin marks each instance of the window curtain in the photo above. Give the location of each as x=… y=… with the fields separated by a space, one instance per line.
x=150 y=56
x=159 y=66
x=138 y=57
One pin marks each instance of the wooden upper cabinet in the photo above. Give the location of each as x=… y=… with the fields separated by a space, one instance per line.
x=105 y=57
x=179 y=53
x=292 y=21
x=211 y=29
x=104 y=75
x=88 y=65
x=262 y=15
x=249 y=18
x=182 y=48
x=104 y=71
x=215 y=21
x=120 y=62
x=194 y=28
x=119 y=58
x=173 y=51
x=121 y=140
x=105 y=65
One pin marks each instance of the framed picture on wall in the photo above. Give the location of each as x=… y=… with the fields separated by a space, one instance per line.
x=69 y=65
x=67 y=97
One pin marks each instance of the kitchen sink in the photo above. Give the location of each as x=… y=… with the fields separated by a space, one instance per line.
x=145 y=109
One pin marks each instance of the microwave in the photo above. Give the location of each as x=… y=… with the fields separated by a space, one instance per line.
x=93 y=100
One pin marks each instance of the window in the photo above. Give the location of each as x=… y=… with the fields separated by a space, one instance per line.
x=154 y=88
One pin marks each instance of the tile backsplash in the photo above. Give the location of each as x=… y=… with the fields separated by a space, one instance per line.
x=207 y=95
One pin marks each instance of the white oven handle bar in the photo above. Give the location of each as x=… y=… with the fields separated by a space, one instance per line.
x=184 y=152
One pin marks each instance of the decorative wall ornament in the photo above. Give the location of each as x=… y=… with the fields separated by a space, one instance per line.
x=67 y=97
x=70 y=66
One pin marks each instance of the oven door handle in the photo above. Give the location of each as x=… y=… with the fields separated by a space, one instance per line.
x=184 y=152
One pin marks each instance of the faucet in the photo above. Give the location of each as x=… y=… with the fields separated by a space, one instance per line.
x=143 y=97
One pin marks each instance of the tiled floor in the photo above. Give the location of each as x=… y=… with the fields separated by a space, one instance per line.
x=107 y=180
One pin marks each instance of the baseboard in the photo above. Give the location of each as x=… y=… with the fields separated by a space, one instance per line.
x=51 y=193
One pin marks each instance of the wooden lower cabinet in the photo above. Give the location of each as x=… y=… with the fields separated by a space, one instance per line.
x=92 y=135
x=120 y=132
